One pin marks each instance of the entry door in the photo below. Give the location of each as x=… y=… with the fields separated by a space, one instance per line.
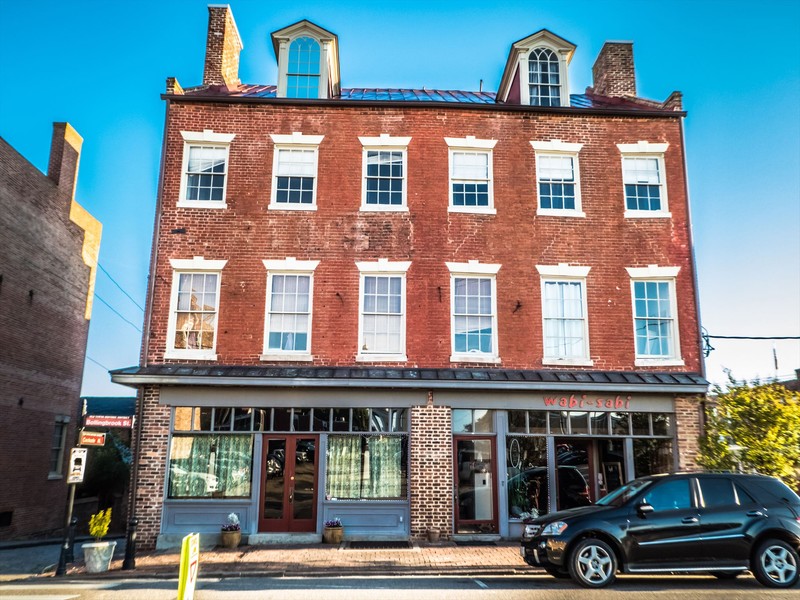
x=475 y=476
x=289 y=483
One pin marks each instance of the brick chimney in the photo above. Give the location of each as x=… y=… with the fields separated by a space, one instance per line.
x=222 y=48
x=65 y=154
x=613 y=70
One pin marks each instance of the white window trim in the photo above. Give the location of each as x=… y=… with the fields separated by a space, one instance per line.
x=283 y=64
x=645 y=149
x=474 y=268
x=198 y=264
x=389 y=269
x=207 y=137
x=471 y=144
x=656 y=273
x=524 y=77
x=295 y=140
x=288 y=266
x=384 y=142
x=559 y=148
x=571 y=273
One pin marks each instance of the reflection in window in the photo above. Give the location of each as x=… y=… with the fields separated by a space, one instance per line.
x=641 y=423
x=652 y=456
x=669 y=495
x=302 y=79
x=662 y=424
x=361 y=467
x=599 y=423
x=620 y=423
x=210 y=466
x=196 y=311
x=473 y=421
x=526 y=469
x=579 y=422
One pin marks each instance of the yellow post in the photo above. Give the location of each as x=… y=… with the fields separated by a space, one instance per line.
x=190 y=563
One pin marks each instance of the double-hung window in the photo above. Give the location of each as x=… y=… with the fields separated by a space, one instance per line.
x=287 y=329
x=384 y=173
x=558 y=178
x=655 y=321
x=205 y=169
x=382 y=315
x=564 y=321
x=473 y=312
x=294 y=171
x=471 y=175
x=643 y=179
x=192 y=330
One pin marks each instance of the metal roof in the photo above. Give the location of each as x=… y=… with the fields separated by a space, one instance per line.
x=419 y=378
x=588 y=101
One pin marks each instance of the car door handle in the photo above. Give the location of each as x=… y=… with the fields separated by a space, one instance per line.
x=690 y=520
x=755 y=513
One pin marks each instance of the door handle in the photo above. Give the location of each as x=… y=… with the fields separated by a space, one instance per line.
x=690 y=520
x=291 y=495
x=755 y=513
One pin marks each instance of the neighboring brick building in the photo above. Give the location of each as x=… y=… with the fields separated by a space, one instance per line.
x=346 y=314
x=48 y=256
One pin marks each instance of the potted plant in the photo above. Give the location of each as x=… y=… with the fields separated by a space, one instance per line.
x=98 y=554
x=333 y=532
x=231 y=534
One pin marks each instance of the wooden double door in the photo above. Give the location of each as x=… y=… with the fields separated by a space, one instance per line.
x=289 y=476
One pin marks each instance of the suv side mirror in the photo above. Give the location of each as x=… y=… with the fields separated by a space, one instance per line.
x=644 y=509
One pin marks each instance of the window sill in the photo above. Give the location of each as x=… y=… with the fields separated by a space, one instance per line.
x=286 y=357
x=475 y=358
x=213 y=204
x=659 y=362
x=292 y=207
x=381 y=358
x=383 y=208
x=54 y=476
x=571 y=362
x=554 y=212
x=191 y=354
x=647 y=214
x=474 y=210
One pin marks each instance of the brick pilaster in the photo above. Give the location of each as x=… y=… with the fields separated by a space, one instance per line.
x=689 y=425
x=431 y=470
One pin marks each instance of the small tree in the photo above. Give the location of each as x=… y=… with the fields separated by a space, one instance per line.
x=99 y=523
x=755 y=426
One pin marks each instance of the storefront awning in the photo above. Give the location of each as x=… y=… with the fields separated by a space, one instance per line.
x=379 y=377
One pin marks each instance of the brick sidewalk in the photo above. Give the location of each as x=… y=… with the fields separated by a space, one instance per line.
x=320 y=560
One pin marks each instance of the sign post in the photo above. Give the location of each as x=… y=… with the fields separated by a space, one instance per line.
x=77 y=468
x=190 y=563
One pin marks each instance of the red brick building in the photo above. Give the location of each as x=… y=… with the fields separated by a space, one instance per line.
x=48 y=251
x=412 y=309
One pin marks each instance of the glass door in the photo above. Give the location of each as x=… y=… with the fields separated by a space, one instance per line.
x=289 y=483
x=475 y=474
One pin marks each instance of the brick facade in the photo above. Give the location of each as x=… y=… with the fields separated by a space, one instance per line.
x=689 y=424
x=44 y=303
x=613 y=72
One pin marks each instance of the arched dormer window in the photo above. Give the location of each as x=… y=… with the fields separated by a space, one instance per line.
x=302 y=76
x=544 y=79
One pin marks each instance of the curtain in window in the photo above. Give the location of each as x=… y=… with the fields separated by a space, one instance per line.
x=209 y=465
x=383 y=477
x=344 y=467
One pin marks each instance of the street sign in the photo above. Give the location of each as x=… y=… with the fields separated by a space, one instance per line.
x=77 y=465
x=91 y=438
x=107 y=421
x=190 y=563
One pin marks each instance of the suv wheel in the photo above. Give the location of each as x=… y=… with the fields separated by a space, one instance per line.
x=776 y=564
x=593 y=563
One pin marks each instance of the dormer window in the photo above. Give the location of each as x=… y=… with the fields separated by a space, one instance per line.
x=544 y=79
x=302 y=77
x=308 y=61
x=536 y=71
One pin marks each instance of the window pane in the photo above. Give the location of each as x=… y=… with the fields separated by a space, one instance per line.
x=183 y=419
x=210 y=466
x=641 y=423
x=366 y=467
x=462 y=420
x=669 y=495
x=717 y=492
x=526 y=470
x=652 y=456
x=517 y=421
x=537 y=421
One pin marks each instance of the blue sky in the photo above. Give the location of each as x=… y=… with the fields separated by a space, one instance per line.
x=102 y=65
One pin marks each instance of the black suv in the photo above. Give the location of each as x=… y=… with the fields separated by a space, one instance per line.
x=721 y=523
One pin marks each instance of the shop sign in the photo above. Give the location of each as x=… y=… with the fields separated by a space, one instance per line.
x=594 y=402
x=190 y=563
x=101 y=421
x=77 y=465
x=92 y=438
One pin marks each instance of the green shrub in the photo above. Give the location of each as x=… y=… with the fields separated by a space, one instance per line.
x=99 y=523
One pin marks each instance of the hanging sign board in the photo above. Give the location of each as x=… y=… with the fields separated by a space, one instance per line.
x=91 y=438
x=190 y=562
x=77 y=465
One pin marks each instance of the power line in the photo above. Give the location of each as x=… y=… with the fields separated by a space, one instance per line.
x=121 y=289
x=97 y=363
x=117 y=313
x=746 y=337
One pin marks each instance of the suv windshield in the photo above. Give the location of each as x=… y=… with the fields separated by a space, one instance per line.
x=621 y=495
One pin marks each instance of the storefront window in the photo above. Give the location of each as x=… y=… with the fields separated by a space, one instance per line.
x=579 y=422
x=526 y=469
x=210 y=466
x=473 y=421
x=652 y=456
x=620 y=423
x=641 y=423
x=367 y=467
